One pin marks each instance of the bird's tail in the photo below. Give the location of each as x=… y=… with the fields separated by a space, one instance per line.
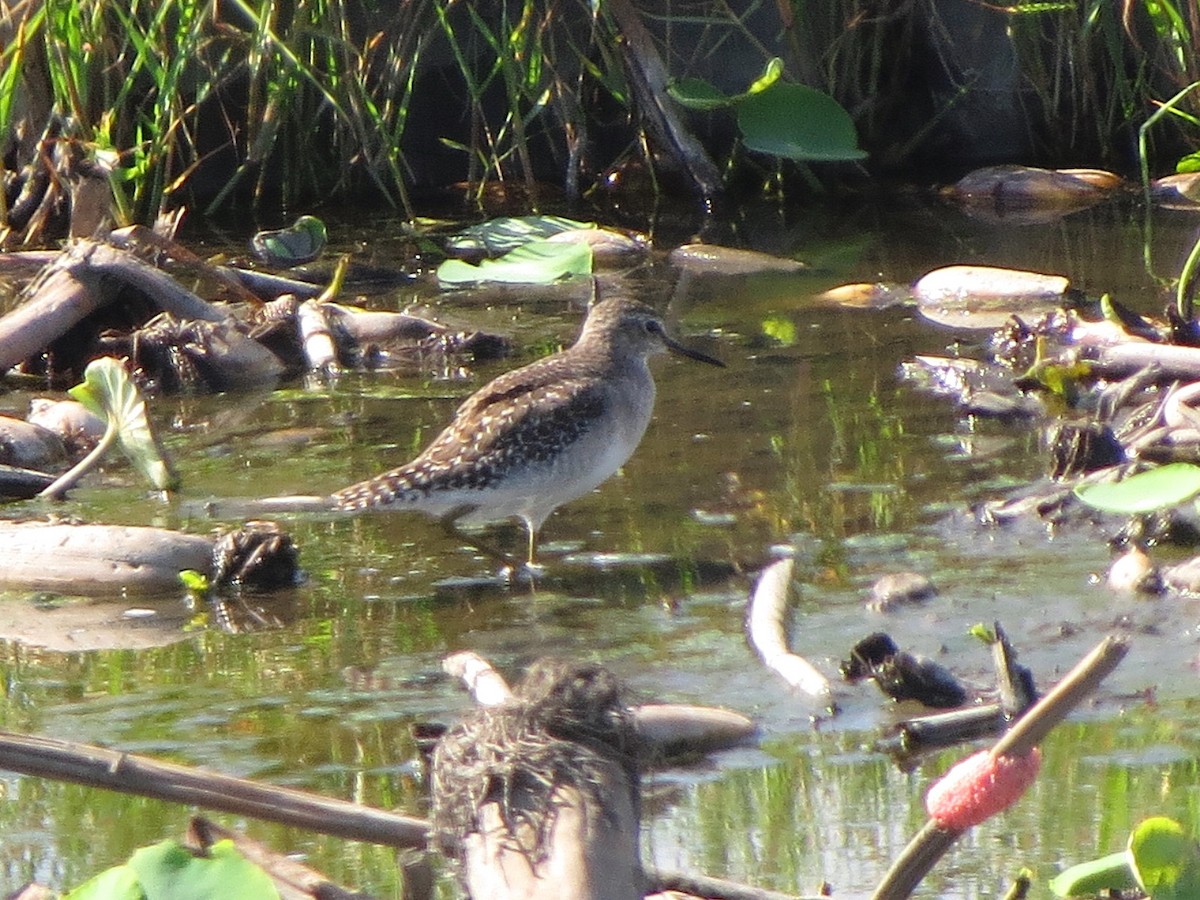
x=398 y=486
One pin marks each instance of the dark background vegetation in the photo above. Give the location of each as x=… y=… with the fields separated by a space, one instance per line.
x=233 y=103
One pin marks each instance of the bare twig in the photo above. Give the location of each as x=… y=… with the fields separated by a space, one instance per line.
x=133 y=774
x=711 y=888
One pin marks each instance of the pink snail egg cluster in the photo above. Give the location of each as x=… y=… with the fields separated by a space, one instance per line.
x=980 y=786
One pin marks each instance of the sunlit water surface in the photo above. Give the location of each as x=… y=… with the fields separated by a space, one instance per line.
x=808 y=440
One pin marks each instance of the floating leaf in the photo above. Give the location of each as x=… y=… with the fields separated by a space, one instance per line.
x=698 y=94
x=108 y=391
x=1108 y=873
x=301 y=243
x=169 y=871
x=117 y=883
x=1165 y=859
x=1155 y=489
x=497 y=236
x=781 y=329
x=195 y=582
x=798 y=122
x=985 y=633
x=538 y=262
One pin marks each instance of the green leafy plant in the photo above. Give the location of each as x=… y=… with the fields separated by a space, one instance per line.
x=1160 y=858
x=301 y=242
x=535 y=262
x=108 y=391
x=1154 y=489
x=500 y=235
x=170 y=871
x=790 y=121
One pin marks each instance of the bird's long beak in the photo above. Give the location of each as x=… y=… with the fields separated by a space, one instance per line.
x=675 y=347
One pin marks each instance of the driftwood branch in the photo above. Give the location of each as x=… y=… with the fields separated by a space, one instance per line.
x=1122 y=360
x=133 y=774
x=73 y=287
x=712 y=888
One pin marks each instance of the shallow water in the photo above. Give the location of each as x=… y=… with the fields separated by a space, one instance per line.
x=808 y=441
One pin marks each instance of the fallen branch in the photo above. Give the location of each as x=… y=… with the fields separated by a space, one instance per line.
x=77 y=284
x=145 y=777
x=291 y=876
x=648 y=79
x=1171 y=362
x=712 y=888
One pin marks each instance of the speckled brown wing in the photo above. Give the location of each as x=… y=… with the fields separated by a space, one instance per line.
x=523 y=418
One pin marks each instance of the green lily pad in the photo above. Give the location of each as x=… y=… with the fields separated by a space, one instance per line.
x=301 y=243
x=537 y=262
x=1159 y=488
x=108 y=391
x=1165 y=859
x=797 y=122
x=698 y=94
x=1108 y=873
x=169 y=871
x=117 y=883
x=501 y=235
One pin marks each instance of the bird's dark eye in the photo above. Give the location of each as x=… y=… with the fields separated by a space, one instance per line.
x=652 y=326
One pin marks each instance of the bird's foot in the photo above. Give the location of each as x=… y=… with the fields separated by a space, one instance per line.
x=523 y=573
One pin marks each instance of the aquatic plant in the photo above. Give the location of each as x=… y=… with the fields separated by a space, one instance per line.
x=274 y=104
x=109 y=392
x=1160 y=858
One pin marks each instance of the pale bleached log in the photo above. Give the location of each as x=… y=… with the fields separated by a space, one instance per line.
x=486 y=685
x=591 y=853
x=316 y=338
x=1122 y=360
x=664 y=728
x=380 y=326
x=82 y=559
x=766 y=628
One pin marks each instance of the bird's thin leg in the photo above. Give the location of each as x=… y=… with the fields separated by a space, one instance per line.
x=449 y=523
x=531 y=567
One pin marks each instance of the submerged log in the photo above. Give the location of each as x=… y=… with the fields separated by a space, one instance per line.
x=107 y=559
x=1122 y=360
x=74 y=559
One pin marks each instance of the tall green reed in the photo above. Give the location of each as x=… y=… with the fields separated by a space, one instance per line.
x=304 y=104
